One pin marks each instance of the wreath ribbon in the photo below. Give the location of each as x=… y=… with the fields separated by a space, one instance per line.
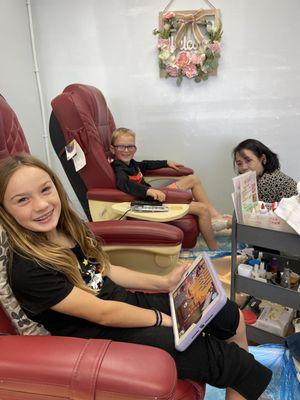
x=186 y=19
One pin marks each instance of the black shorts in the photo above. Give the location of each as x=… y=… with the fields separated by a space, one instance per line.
x=209 y=358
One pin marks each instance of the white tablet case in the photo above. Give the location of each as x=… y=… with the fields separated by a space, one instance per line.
x=198 y=298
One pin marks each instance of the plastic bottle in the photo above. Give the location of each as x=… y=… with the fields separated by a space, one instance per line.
x=274 y=264
x=262 y=270
x=286 y=278
x=255 y=260
x=264 y=216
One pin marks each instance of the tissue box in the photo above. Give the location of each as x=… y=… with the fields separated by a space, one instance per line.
x=275 y=319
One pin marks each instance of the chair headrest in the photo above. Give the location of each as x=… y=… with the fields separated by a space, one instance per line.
x=92 y=114
x=12 y=138
x=83 y=115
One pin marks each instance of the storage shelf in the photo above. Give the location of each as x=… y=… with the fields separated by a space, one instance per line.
x=275 y=293
x=282 y=241
x=287 y=243
x=260 y=336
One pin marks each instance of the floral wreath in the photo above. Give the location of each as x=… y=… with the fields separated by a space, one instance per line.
x=197 y=64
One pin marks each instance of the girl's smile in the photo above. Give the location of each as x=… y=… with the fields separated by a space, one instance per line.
x=32 y=200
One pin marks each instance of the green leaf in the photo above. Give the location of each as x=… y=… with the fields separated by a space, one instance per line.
x=214 y=64
x=178 y=81
x=165 y=34
x=197 y=79
x=175 y=24
x=205 y=77
x=161 y=64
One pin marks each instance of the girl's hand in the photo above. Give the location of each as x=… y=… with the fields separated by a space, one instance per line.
x=171 y=280
x=156 y=194
x=174 y=165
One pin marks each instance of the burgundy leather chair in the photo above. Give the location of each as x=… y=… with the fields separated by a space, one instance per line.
x=46 y=367
x=81 y=113
x=149 y=246
x=12 y=139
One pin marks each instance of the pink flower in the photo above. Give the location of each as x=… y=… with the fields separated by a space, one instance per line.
x=163 y=44
x=182 y=59
x=172 y=70
x=214 y=46
x=168 y=15
x=197 y=58
x=190 y=71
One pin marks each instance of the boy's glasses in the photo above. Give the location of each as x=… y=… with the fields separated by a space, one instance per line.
x=123 y=147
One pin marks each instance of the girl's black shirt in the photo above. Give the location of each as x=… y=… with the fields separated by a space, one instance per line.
x=38 y=288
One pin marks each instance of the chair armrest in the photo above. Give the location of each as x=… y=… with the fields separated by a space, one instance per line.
x=182 y=171
x=39 y=367
x=137 y=233
x=111 y=195
x=174 y=196
x=117 y=196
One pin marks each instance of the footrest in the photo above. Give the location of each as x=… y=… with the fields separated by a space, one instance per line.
x=139 y=233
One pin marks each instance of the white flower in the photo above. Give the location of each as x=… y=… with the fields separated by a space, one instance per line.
x=164 y=55
x=171 y=60
x=209 y=27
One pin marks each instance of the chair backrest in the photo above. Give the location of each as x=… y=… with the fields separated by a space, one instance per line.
x=12 y=138
x=81 y=113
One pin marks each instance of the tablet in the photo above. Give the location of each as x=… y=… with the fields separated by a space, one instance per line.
x=195 y=301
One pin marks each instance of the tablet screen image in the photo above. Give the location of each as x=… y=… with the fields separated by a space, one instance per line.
x=196 y=300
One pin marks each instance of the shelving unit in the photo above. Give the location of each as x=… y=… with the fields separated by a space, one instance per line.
x=288 y=243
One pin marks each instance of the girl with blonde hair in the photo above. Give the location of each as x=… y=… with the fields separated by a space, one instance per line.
x=63 y=280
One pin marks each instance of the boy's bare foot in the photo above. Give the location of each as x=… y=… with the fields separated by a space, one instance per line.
x=220 y=224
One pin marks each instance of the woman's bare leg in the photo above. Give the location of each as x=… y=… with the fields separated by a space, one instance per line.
x=204 y=223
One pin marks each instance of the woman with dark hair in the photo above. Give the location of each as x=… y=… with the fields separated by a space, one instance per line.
x=272 y=184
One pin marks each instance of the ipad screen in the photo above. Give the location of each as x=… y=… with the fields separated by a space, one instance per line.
x=193 y=296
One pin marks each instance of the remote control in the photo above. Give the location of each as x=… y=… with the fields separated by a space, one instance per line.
x=147 y=208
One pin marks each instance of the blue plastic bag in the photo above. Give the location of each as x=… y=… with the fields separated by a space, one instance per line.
x=284 y=384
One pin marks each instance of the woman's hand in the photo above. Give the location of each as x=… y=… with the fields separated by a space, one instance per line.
x=156 y=194
x=174 y=165
x=171 y=280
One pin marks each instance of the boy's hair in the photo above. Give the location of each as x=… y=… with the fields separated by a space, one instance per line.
x=35 y=245
x=259 y=149
x=121 y=132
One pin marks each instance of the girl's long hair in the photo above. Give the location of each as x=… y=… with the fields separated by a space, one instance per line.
x=35 y=245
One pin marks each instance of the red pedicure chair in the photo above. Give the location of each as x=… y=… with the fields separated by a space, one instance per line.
x=81 y=113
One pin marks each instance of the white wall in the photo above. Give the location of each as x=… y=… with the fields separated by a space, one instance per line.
x=17 y=81
x=110 y=44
